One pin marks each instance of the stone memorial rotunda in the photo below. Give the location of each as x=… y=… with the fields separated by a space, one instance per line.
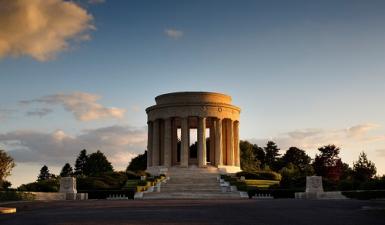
x=177 y=116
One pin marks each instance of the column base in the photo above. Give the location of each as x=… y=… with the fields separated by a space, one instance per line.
x=228 y=169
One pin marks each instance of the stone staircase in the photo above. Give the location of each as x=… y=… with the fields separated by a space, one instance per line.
x=191 y=183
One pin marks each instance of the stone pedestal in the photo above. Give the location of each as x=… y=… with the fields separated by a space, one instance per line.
x=68 y=185
x=314 y=190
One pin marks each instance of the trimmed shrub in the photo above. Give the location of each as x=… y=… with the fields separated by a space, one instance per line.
x=364 y=195
x=260 y=175
x=132 y=175
x=16 y=196
x=142 y=183
x=51 y=185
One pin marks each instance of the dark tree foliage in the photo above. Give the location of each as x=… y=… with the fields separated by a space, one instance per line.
x=297 y=157
x=44 y=174
x=328 y=164
x=81 y=163
x=6 y=165
x=271 y=153
x=363 y=169
x=97 y=164
x=259 y=153
x=66 y=171
x=247 y=157
x=139 y=163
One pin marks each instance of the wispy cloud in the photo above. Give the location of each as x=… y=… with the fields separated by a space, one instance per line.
x=84 y=106
x=120 y=143
x=313 y=138
x=6 y=113
x=173 y=33
x=39 y=112
x=41 y=29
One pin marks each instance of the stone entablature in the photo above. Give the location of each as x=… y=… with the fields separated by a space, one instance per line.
x=200 y=110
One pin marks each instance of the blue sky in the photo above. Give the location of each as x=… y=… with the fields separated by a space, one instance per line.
x=305 y=73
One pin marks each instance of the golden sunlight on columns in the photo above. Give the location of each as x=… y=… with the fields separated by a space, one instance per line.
x=236 y=143
x=231 y=144
x=202 y=142
x=218 y=142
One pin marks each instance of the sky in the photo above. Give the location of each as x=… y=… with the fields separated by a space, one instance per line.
x=79 y=74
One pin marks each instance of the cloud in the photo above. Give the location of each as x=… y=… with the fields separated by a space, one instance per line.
x=41 y=28
x=381 y=152
x=313 y=138
x=83 y=105
x=119 y=143
x=359 y=131
x=173 y=33
x=6 y=113
x=39 y=112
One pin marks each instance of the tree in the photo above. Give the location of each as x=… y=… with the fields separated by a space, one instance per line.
x=247 y=157
x=6 y=165
x=363 y=169
x=97 y=164
x=44 y=174
x=271 y=153
x=297 y=157
x=66 y=171
x=328 y=164
x=81 y=163
x=259 y=153
x=139 y=163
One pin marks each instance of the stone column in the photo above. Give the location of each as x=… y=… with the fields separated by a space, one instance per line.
x=231 y=143
x=218 y=143
x=236 y=144
x=155 y=143
x=149 y=144
x=167 y=142
x=174 y=142
x=212 y=142
x=185 y=143
x=202 y=142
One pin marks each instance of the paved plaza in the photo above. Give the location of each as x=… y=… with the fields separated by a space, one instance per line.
x=280 y=212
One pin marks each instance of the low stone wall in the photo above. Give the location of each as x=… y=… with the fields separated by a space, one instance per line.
x=49 y=195
x=52 y=196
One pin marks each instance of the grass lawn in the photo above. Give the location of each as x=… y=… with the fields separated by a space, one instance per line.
x=261 y=183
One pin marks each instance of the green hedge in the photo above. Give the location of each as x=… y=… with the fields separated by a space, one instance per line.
x=16 y=196
x=260 y=175
x=364 y=195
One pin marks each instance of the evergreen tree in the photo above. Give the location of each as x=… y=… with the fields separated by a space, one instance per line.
x=66 y=171
x=44 y=174
x=328 y=164
x=97 y=164
x=81 y=163
x=363 y=169
x=271 y=154
x=259 y=153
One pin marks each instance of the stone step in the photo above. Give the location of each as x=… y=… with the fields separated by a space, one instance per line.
x=184 y=195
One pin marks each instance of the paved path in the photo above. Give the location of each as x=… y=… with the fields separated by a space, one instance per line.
x=280 y=212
